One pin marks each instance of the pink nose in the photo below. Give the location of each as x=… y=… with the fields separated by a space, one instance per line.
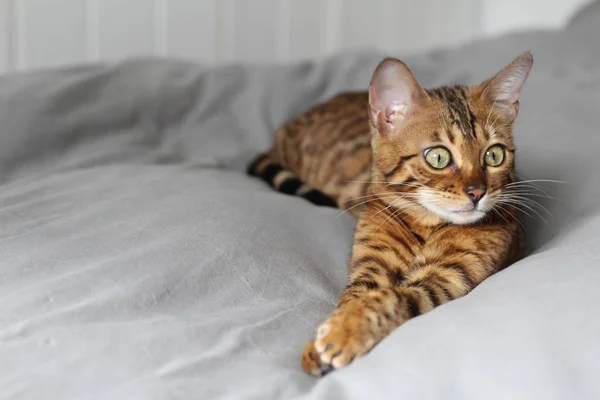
x=475 y=192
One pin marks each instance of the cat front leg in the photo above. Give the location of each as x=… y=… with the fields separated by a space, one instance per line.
x=452 y=262
x=372 y=304
x=356 y=326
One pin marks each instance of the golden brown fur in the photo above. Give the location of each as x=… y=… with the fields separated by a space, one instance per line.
x=424 y=236
x=328 y=147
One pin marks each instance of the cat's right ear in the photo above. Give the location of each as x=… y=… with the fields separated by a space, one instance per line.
x=504 y=90
x=394 y=94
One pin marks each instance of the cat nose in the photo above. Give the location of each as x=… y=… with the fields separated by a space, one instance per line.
x=475 y=192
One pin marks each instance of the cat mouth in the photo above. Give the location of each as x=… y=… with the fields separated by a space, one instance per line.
x=466 y=216
x=461 y=214
x=467 y=211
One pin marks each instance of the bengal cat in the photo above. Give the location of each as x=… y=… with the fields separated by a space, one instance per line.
x=430 y=172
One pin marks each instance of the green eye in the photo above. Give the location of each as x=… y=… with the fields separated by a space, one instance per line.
x=494 y=156
x=438 y=157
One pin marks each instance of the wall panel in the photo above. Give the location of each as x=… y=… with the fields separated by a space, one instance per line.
x=191 y=29
x=45 y=33
x=5 y=37
x=49 y=33
x=125 y=28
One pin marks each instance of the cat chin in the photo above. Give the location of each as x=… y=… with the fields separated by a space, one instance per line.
x=464 y=218
x=454 y=217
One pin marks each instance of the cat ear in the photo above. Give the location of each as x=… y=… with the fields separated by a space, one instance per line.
x=394 y=94
x=504 y=90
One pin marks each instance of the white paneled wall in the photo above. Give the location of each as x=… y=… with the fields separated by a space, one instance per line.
x=501 y=16
x=43 y=33
x=5 y=39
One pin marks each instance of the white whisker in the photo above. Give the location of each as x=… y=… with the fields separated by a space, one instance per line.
x=365 y=202
x=389 y=183
x=515 y=203
x=398 y=210
x=514 y=206
x=528 y=192
x=373 y=195
x=513 y=216
x=523 y=199
x=537 y=180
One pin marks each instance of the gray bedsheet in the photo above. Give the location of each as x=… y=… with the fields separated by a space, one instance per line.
x=137 y=261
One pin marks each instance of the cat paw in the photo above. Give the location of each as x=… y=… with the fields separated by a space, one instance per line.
x=339 y=341
x=311 y=362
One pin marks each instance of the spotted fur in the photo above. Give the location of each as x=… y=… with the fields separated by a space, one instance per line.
x=424 y=236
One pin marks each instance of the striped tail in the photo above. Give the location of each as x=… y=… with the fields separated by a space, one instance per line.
x=285 y=181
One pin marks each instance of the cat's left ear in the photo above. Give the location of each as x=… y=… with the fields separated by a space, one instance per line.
x=394 y=95
x=504 y=90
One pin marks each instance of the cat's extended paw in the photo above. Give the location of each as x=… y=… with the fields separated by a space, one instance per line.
x=342 y=338
x=311 y=362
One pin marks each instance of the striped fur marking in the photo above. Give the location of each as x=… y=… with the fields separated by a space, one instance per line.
x=252 y=169
x=285 y=181
x=319 y=198
x=290 y=186
x=399 y=165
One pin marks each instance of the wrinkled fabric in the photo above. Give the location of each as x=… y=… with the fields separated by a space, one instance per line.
x=138 y=261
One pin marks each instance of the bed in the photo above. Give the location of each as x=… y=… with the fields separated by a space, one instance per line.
x=138 y=261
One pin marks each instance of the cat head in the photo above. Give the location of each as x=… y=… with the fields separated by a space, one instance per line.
x=447 y=151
